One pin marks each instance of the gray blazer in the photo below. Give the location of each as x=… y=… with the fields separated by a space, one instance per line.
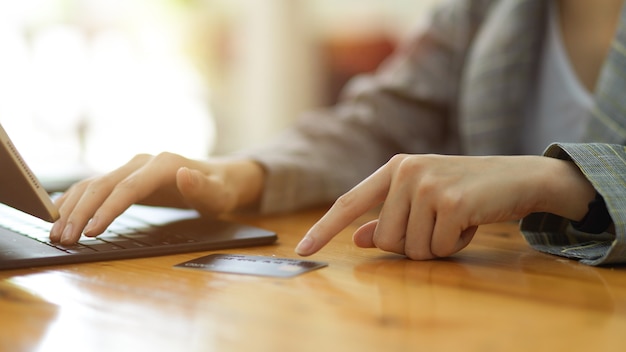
x=458 y=85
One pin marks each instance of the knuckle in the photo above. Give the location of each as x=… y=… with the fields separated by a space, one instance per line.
x=141 y=158
x=387 y=243
x=417 y=253
x=450 y=202
x=428 y=186
x=397 y=159
x=96 y=185
x=77 y=187
x=168 y=157
x=414 y=170
x=345 y=201
x=129 y=187
x=412 y=254
x=441 y=252
x=167 y=163
x=409 y=165
x=383 y=243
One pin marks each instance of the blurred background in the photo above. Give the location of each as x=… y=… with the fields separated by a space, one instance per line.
x=87 y=84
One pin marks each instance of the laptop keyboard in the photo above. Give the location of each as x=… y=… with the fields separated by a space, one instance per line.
x=126 y=232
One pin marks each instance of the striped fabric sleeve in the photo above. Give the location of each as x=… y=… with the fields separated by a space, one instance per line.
x=604 y=165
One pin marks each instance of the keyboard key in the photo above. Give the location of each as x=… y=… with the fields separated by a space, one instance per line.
x=74 y=249
x=99 y=245
x=123 y=242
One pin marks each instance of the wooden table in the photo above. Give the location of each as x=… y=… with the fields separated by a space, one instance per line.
x=496 y=295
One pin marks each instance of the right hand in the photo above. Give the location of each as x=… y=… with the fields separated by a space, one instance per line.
x=210 y=187
x=433 y=204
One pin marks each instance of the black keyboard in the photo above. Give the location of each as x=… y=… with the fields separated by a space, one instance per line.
x=141 y=231
x=126 y=232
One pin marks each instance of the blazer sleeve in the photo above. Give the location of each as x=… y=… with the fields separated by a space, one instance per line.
x=407 y=106
x=604 y=165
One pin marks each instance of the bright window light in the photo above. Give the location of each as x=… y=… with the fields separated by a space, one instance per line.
x=85 y=85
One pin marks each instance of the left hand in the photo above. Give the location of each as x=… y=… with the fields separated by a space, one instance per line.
x=433 y=204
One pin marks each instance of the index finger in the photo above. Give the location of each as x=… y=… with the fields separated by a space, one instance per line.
x=139 y=184
x=81 y=200
x=356 y=202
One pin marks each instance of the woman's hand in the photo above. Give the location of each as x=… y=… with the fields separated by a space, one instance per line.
x=167 y=179
x=433 y=204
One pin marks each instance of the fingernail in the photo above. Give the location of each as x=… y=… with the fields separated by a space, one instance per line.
x=90 y=225
x=305 y=246
x=55 y=234
x=191 y=177
x=67 y=234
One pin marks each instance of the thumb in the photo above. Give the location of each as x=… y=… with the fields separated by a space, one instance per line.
x=364 y=236
x=208 y=194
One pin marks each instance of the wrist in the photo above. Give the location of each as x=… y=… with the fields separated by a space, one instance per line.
x=567 y=191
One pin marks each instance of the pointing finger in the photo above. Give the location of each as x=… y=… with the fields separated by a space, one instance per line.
x=363 y=197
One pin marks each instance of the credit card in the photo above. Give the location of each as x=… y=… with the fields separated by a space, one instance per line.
x=252 y=265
